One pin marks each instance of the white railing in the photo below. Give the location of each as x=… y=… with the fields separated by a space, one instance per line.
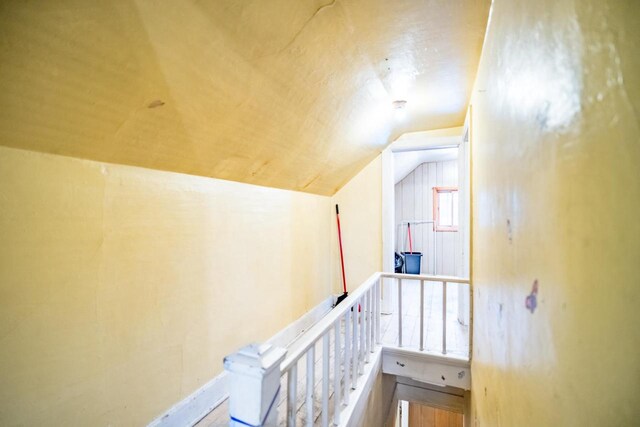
x=444 y=280
x=354 y=327
x=355 y=323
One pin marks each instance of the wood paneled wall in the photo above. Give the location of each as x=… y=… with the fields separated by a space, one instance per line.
x=414 y=202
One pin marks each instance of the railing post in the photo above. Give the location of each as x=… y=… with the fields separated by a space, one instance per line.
x=254 y=385
x=399 y=312
x=421 y=315
x=444 y=317
x=310 y=374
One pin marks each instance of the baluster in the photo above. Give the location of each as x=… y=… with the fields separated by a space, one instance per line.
x=363 y=327
x=369 y=321
x=310 y=374
x=354 y=348
x=367 y=318
x=444 y=317
x=325 y=378
x=421 y=315
x=336 y=373
x=291 y=395
x=470 y=333
x=372 y=336
x=362 y=338
x=399 y=312
x=378 y=302
x=347 y=356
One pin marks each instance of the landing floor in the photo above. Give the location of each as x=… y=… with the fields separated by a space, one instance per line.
x=457 y=334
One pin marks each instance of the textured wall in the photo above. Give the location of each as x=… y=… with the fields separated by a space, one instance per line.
x=121 y=289
x=361 y=222
x=556 y=194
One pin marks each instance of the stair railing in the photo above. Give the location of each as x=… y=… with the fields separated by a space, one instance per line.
x=354 y=327
x=355 y=323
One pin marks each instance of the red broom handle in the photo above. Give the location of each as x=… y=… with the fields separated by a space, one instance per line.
x=344 y=280
x=409 y=229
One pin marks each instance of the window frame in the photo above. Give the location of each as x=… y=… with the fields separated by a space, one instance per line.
x=436 y=210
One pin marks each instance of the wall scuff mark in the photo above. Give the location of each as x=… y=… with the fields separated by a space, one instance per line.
x=155 y=104
x=531 y=302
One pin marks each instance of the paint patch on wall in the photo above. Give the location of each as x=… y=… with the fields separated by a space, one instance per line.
x=531 y=302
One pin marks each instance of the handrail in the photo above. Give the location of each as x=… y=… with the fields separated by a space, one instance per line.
x=426 y=278
x=353 y=327
x=360 y=315
x=312 y=335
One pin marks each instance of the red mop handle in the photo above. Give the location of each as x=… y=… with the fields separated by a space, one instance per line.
x=344 y=280
x=409 y=230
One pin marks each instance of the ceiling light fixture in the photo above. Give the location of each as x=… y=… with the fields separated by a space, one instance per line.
x=399 y=104
x=399 y=109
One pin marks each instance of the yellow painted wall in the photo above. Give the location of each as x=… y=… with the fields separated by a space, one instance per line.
x=360 y=202
x=556 y=198
x=121 y=289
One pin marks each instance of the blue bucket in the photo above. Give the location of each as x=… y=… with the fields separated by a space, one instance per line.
x=412 y=262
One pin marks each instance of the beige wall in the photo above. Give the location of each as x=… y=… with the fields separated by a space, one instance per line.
x=360 y=202
x=556 y=194
x=121 y=289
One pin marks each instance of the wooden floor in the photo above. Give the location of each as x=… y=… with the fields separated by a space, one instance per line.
x=457 y=344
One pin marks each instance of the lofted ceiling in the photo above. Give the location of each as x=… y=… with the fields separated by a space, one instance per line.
x=406 y=162
x=293 y=94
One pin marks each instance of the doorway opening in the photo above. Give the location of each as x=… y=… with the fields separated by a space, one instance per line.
x=426 y=210
x=413 y=414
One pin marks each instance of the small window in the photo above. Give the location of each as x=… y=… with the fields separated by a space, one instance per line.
x=445 y=208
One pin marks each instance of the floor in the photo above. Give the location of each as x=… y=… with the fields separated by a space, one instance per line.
x=457 y=344
x=457 y=334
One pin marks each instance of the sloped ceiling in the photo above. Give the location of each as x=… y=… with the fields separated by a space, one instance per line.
x=293 y=94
